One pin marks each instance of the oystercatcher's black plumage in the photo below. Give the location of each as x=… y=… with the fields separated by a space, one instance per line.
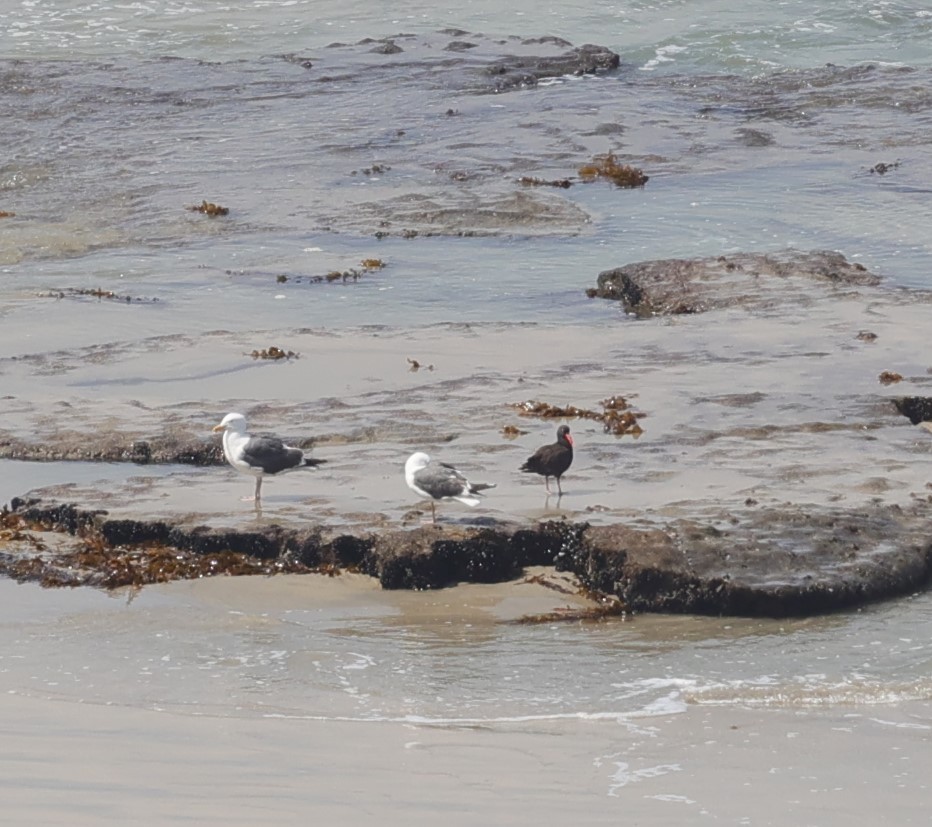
x=552 y=460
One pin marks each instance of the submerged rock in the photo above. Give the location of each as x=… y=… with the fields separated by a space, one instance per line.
x=773 y=562
x=673 y=286
x=917 y=409
x=517 y=71
x=108 y=446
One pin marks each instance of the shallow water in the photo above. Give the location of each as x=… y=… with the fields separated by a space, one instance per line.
x=119 y=116
x=276 y=647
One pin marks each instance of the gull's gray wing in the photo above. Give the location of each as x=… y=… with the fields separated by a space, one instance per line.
x=271 y=455
x=441 y=481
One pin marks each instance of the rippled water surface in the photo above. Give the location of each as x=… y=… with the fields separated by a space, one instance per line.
x=266 y=649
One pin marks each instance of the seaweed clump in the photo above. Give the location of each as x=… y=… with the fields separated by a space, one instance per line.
x=375 y=169
x=6 y=214
x=93 y=563
x=606 y=166
x=882 y=168
x=94 y=293
x=530 y=181
x=337 y=275
x=274 y=353
x=512 y=432
x=616 y=417
x=92 y=559
x=605 y=605
x=210 y=209
x=889 y=377
x=415 y=365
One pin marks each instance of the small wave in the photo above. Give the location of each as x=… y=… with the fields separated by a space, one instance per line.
x=663 y=54
x=808 y=694
x=651 y=710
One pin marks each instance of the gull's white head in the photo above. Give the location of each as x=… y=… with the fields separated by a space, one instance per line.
x=415 y=463
x=232 y=422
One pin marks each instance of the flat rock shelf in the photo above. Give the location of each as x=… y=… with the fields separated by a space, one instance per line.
x=772 y=563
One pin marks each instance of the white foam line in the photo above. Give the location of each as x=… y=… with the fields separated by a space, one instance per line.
x=900 y=724
x=423 y=720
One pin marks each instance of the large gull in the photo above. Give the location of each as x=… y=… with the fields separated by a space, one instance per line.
x=552 y=460
x=259 y=455
x=440 y=482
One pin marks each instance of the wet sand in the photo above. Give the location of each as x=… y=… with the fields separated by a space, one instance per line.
x=83 y=765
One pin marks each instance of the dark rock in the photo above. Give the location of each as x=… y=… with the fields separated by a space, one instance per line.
x=305 y=548
x=264 y=544
x=513 y=72
x=548 y=544
x=140 y=452
x=778 y=563
x=181 y=449
x=134 y=532
x=406 y=560
x=754 y=137
x=487 y=556
x=674 y=286
x=916 y=408
x=772 y=562
x=348 y=551
x=387 y=47
x=64 y=517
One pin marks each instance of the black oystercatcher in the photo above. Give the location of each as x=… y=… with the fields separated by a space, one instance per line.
x=440 y=482
x=552 y=460
x=259 y=455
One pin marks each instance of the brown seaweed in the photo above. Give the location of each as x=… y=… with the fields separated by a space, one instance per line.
x=621 y=423
x=274 y=353
x=342 y=276
x=606 y=605
x=210 y=209
x=512 y=432
x=889 y=377
x=606 y=166
x=6 y=214
x=372 y=264
x=545 y=410
x=529 y=181
x=568 y=614
x=866 y=336
x=882 y=168
x=416 y=365
x=92 y=562
x=616 y=416
x=94 y=293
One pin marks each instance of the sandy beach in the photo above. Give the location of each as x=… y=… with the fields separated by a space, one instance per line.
x=83 y=764
x=124 y=755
